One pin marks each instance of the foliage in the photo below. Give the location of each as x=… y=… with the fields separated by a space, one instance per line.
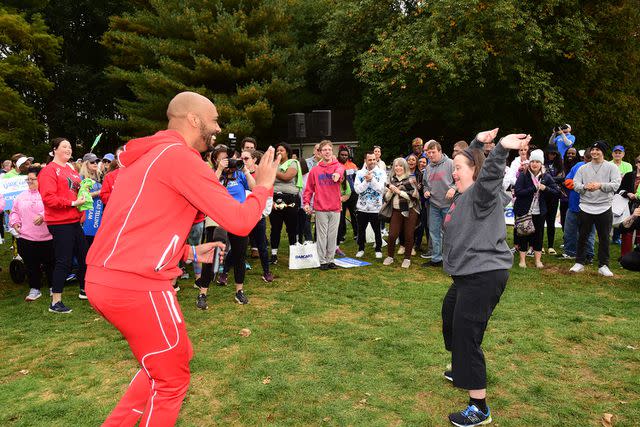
x=26 y=49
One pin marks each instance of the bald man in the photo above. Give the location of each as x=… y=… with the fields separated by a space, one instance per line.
x=142 y=238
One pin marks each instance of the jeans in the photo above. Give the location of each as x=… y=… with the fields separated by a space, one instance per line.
x=436 y=219
x=571 y=226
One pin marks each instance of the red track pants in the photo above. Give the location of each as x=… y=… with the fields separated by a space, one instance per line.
x=152 y=324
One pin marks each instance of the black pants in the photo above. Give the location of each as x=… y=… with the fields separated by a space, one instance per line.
x=602 y=223
x=466 y=310
x=564 y=207
x=631 y=261
x=351 y=206
x=37 y=256
x=534 y=240
x=68 y=242
x=207 y=272
x=236 y=257
x=288 y=216
x=259 y=236
x=550 y=219
x=364 y=219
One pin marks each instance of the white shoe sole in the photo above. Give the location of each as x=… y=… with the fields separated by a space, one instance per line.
x=482 y=423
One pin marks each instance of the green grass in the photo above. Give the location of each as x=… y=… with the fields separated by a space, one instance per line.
x=347 y=347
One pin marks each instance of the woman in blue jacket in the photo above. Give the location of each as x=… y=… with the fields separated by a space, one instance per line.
x=531 y=190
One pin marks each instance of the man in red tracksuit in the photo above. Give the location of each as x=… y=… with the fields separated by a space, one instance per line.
x=142 y=237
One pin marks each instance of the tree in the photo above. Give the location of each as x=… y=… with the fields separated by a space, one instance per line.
x=242 y=55
x=26 y=48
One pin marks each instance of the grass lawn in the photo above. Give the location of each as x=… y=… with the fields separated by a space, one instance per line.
x=347 y=347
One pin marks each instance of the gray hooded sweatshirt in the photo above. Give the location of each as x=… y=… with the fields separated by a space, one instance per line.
x=438 y=179
x=474 y=229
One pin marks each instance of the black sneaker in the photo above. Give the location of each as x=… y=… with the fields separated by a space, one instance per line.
x=448 y=375
x=223 y=278
x=176 y=287
x=59 y=308
x=472 y=416
x=274 y=259
x=241 y=298
x=324 y=267
x=435 y=264
x=332 y=266
x=201 y=302
x=82 y=294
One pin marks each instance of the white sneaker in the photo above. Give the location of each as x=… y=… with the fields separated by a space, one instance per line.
x=401 y=250
x=413 y=252
x=34 y=294
x=379 y=255
x=577 y=268
x=359 y=254
x=387 y=261
x=406 y=263
x=604 y=270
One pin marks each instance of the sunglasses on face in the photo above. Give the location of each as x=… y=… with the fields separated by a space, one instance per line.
x=106 y=161
x=95 y=162
x=245 y=158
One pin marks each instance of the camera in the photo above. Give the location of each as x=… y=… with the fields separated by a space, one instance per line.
x=236 y=164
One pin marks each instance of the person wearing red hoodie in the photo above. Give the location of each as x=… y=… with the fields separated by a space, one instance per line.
x=323 y=184
x=110 y=178
x=58 y=184
x=142 y=237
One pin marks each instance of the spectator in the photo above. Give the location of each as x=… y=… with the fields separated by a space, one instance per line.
x=530 y=191
x=6 y=166
x=631 y=259
x=459 y=147
x=350 y=169
x=572 y=218
x=323 y=185
x=22 y=164
x=563 y=139
x=518 y=165
x=369 y=185
x=105 y=164
x=422 y=164
x=554 y=168
x=379 y=162
x=59 y=183
x=416 y=147
x=93 y=217
x=35 y=244
x=596 y=182
x=286 y=199
x=402 y=201
x=248 y=144
x=629 y=187
x=624 y=168
x=487 y=147
x=110 y=177
x=569 y=161
x=439 y=189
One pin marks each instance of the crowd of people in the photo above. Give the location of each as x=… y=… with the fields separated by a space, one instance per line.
x=223 y=204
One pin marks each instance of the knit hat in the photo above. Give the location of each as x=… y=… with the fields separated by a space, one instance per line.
x=536 y=156
x=600 y=145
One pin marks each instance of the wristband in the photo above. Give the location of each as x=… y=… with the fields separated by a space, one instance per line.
x=195 y=256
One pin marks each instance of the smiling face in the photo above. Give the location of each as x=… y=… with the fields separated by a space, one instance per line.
x=535 y=166
x=596 y=155
x=618 y=155
x=326 y=152
x=412 y=161
x=398 y=170
x=32 y=181
x=422 y=163
x=370 y=161
x=571 y=153
x=462 y=172
x=377 y=152
x=63 y=153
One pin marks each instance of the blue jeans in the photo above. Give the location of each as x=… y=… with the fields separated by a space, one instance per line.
x=571 y=227
x=436 y=219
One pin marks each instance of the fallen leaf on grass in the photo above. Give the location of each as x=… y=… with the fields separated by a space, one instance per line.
x=326 y=419
x=245 y=332
x=630 y=347
x=377 y=339
x=608 y=420
x=24 y=371
x=266 y=380
x=97 y=319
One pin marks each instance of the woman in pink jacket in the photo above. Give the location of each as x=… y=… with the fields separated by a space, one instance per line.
x=35 y=244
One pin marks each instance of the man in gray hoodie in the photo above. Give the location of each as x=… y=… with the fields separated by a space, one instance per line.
x=439 y=188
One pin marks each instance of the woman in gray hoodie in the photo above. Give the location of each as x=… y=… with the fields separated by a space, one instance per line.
x=476 y=255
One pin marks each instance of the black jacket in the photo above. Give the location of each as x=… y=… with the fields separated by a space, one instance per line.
x=524 y=191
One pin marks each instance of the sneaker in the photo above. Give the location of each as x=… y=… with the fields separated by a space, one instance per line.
x=387 y=261
x=552 y=251
x=34 y=294
x=472 y=416
x=324 y=267
x=616 y=241
x=426 y=255
x=384 y=232
x=378 y=255
x=223 y=278
x=332 y=266
x=71 y=277
x=247 y=266
x=604 y=270
x=359 y=254
x=59 y=308
x=577 y=268
x=50 y=292
x=339 y=252
x=401 y=250
x=448 y=374
x=82 y=294
x=274 y=259
x=201 y=302
x=267 y=277
x=241 y=298
x=255 y=253
x=176 y=287
x=530 y=252
x=542 y=251
x=413 y=252
x=184 y=274
x=435 y=263
x=406 y=263
x=566 y=256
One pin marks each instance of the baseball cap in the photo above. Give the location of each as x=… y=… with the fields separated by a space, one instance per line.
x=618 y=148
x=89 y=157
x=21 y=161
x=109 y=157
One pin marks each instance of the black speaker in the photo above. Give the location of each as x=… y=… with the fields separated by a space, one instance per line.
x=297 y=125
x=321 y=120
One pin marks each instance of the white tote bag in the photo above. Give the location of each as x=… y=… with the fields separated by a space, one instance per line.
x=303 y=256
x=620 y=209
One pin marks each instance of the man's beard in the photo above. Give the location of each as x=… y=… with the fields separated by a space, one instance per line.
x=207 y=137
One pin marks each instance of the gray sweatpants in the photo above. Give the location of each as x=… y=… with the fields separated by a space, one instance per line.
x=327 y=233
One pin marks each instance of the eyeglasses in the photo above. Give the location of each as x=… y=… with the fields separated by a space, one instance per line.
x=245 y=158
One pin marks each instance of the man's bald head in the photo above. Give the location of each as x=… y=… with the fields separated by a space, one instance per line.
x=187 y=102
x=195 y=118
